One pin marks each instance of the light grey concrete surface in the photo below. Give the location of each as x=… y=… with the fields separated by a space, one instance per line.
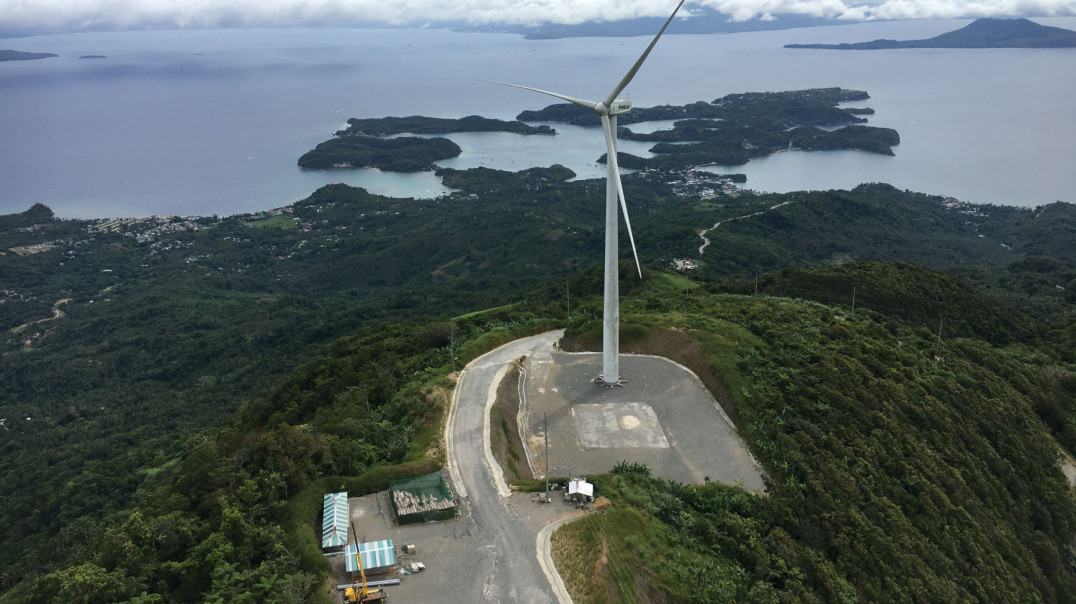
x=623 y=425
x=592 y=427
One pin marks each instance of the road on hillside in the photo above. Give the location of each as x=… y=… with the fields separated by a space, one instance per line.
x=507 y=566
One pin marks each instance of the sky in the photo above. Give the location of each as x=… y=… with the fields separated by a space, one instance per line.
x=90 y=15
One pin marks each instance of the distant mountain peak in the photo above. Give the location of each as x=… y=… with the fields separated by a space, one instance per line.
x=981 y=33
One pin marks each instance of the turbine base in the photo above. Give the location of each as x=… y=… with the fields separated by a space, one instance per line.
x=619 y=383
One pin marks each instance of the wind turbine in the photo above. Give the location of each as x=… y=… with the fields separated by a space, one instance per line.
x=614 y=190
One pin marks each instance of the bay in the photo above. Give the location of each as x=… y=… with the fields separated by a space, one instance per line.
x=212 y=122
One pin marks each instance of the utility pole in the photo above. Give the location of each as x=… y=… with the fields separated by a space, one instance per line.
x=568 y=296
x=853 y=300
x=940 y=325
x=756 y=284
x=452 y=347
x=545 y=414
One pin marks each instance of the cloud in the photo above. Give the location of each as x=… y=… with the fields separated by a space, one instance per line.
x=67 y=15
x=950 y=9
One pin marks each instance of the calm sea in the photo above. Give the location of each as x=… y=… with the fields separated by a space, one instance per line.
x=212 y=122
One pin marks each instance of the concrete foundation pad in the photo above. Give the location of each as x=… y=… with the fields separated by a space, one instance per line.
x=618 y=425
x=663 y=417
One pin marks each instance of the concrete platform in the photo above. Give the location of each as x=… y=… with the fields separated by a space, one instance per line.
x=663 y=417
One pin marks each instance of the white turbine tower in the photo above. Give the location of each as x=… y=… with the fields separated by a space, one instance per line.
x=608 y=110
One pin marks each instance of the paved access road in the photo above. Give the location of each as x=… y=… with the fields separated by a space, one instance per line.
x=506 y=565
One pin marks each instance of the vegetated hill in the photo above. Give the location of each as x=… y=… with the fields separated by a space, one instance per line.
x=905 y=468
x=981 y=33
x=1047 y=231
x=36 y=214
x=230 y=515
x=922 y=297
x=902 y=466
x=170 y=324
x=16 y=55
x=878 y=222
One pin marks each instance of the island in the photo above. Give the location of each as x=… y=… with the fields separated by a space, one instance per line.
x=417 y=124
x=729 y=131
x=736 y=128
x=982 y=33
x=363 y=144
x=404 y=154
x=93 y=57
x=16 y=55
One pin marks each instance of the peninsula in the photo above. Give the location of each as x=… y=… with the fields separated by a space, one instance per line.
x=982 y=33
x=736 y=128
x=16 y=55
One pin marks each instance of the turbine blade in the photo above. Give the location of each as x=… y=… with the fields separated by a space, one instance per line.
x=634 y=68
x=571 y=99
x=610 y=145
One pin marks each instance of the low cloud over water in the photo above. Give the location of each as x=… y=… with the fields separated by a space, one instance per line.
x=78 y=15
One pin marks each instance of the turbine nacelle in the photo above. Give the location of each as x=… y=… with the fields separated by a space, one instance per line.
x=619 y=106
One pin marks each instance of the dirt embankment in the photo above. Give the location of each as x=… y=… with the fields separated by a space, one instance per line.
x=504 y=436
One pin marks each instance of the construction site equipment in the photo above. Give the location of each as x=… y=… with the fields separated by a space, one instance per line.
x=378 y=583
x=421 y=499
x=363 y=593
x=414 y=567
x=409 y=549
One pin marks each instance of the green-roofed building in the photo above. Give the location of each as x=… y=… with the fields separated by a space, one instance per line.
x=334 y=521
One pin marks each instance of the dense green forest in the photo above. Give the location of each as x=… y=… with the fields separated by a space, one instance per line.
x=406 y=154
x=189 y=394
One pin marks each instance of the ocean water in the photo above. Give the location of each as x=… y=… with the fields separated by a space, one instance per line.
x=213 y=121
